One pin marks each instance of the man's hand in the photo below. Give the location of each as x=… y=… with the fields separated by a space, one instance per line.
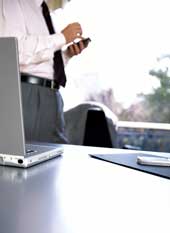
x=72 y=32
x=75 y=48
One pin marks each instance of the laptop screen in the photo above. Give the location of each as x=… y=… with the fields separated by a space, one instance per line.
x=12 y=140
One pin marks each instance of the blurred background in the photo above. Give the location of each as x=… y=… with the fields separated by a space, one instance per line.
x=126 y=66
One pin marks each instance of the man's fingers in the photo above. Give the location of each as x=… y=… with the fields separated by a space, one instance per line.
x=74 y=49
x=71 y=50
x=81 y=45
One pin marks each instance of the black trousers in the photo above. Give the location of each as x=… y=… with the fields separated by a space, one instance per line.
x=43 y=114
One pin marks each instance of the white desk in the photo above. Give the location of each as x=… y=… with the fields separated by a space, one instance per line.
x=78 y=194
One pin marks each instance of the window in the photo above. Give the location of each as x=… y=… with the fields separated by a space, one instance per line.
x=127 y=37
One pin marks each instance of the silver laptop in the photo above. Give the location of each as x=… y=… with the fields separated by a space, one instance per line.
x=13 y=150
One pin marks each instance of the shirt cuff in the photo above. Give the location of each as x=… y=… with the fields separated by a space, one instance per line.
x=58 y=40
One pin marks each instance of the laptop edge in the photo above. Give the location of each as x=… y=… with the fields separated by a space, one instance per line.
x=21 y=161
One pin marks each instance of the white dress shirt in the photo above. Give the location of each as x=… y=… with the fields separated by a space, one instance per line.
x=23 y=19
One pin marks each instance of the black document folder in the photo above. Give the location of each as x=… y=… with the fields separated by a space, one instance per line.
x=130 y=161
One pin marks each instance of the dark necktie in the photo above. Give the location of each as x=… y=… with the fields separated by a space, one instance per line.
x=59 y=73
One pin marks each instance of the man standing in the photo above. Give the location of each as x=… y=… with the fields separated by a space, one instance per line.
x=41 y=65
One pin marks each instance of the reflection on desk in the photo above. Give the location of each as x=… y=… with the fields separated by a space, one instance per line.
x=78 y=194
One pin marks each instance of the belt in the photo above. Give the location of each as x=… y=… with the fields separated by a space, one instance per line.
x=35 y=80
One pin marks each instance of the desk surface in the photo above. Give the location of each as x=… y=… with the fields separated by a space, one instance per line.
x=78 y=194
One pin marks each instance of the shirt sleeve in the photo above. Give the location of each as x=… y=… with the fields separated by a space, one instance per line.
x=36 y=49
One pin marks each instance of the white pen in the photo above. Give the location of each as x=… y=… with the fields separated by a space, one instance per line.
x=153 y=160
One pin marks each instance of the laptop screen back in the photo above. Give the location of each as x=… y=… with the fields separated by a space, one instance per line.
x=12 y=139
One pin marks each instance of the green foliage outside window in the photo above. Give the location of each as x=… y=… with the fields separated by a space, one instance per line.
x=158 y=102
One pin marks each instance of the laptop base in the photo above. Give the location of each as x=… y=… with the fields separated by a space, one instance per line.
x=36 y=154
